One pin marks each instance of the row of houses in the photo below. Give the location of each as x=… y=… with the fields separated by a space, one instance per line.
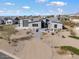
x=51 y=23
x=4 y=20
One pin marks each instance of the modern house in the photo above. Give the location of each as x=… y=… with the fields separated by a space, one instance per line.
x=29 y=23
x=50 y=23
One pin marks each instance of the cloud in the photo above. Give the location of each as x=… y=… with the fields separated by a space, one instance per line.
x=13 y=11
x=9 y=3
x=57 y=3
x=25 y=7
x=10 y=11
x=1 y=11
x=41 y=1
x=51 y=11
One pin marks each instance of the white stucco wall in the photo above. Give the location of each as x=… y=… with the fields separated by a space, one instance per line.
x=59 y=26
x=39 y=25
x=29 y=25
x=8 y=22
x=20 y=26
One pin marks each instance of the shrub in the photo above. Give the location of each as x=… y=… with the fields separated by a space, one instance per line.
x=72 y=32
x=61 y=52
x=44 y=33
x=70 y=48
x=75 y=37
x=1 y=28
x=52 y=33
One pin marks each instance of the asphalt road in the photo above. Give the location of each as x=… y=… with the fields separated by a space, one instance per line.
x=4 y=56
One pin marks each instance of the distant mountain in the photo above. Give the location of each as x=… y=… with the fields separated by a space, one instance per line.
x=75 y=14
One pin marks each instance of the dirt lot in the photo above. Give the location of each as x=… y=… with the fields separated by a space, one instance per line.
x=36 y=48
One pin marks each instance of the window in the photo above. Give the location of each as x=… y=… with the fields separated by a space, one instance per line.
x=35 y=25
x=55 y=26
x=9 y=22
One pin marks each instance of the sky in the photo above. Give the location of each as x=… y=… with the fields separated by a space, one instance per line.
x=38 y=7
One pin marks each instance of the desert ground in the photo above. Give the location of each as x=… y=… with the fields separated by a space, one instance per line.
x=40 y=46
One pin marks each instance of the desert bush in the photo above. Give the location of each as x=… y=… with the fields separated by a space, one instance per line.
x=28 y=32
x=41 y=38
x=1 y=28
x=52 y=33
x=62 y=51
x=1 y=37
x=44 y=33
x=8 y=30
x=72 y=32
x=56 y=47
x=63 y=36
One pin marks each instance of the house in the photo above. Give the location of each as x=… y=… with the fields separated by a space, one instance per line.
x=36 y=23
x=9 y=22
x=27 y=23
x=2 y=21
x=55 y=24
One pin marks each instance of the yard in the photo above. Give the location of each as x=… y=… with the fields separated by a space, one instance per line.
x=35 y=48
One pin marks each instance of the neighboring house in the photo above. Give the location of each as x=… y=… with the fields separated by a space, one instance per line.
x=8 y=19
x=9 y=22
x=2 y=21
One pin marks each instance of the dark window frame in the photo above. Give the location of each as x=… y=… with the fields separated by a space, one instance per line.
x=35 y=25
x=55 y=25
